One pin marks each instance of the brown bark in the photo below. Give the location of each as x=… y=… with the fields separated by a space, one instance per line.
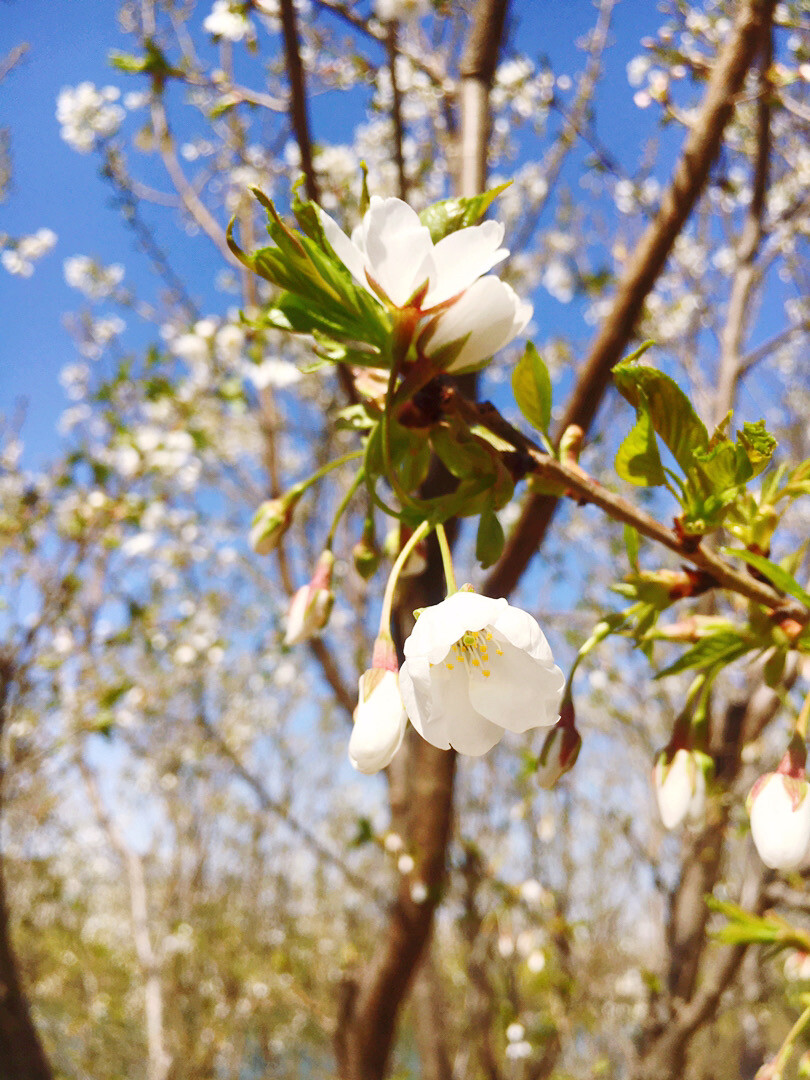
x=421 y=777
x=691 y=172
x=21 y=1053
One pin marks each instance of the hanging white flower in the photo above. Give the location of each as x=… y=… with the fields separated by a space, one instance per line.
x=379 y=721
x=474 y=668
x=680 y=787
x=779 y=808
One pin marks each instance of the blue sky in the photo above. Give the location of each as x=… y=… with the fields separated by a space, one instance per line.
x=58 y=188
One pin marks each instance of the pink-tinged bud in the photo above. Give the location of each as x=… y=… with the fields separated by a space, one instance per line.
x=312 y=604
x=679 y=780
x=379 y=721
x=779 y=809
x=270 y=522
x=560 y=748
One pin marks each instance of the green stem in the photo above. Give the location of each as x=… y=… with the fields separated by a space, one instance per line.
x=316 y=476
x=447 y=560
x=803 y=719
x=388 y=598
x=781 y=1059
x=344 y=502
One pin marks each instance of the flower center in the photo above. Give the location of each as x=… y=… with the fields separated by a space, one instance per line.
x=472 y=652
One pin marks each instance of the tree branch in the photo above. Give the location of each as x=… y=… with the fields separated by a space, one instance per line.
x=690 y=175
x=299 y=114
x=577 y=484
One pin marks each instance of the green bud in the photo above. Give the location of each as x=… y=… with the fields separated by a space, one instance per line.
x=270 y=522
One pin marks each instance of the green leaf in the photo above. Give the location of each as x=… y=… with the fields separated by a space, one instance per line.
x=631 y=544
x=490 y=539
x=783 y=581
x=450 y=215
x=758 y=444
x=531 y=385
x=637 y=459
x=720 y=648
x=671 y=413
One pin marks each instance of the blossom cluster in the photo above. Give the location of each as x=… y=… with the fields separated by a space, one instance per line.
x=474 y=669
x=86 y=113
x=97 y=282
x=19 y=257
x=468 y=317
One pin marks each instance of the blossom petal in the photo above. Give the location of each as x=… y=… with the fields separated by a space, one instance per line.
x=399 y=251
x=440 y=627
x=345 y=249
x=781 y=830
x=438 y=705
x=522 y=692
x=521 y=630
x=462 y=257
x=489 y=314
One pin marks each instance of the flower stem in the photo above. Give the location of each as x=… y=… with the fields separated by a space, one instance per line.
x=316 y=476
x=344 y=502
x=782 y=1058
x=447 y=560
x=803 y=719
x=388 y=599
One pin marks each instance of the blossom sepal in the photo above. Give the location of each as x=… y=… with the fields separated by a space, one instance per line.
x=560 y=749
x=312 y=604
x=318 y=295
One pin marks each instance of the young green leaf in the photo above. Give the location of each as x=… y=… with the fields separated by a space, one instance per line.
x=531 y=385
x=671 y=413
x=637 y=459
x=783 y=581
x=723 y=647
x=490 y=539
x=631 y=544
x=449 y=215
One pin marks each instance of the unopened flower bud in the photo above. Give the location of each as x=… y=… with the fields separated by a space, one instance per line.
x=779 y=809
x=312 y=605
x=560 y=749
x=366 y=558
x=270 y=522
x=679 y=779
x=379 y=718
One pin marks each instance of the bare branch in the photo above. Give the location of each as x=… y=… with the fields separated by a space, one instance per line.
x=299 y=115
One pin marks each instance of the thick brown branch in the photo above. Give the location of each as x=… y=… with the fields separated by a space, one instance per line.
x=691 y=173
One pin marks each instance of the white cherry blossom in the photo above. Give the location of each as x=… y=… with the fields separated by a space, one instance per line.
x=680 y=788
x=379 y=721
x=392 y=251
x=474 y=668
x=779 y=808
